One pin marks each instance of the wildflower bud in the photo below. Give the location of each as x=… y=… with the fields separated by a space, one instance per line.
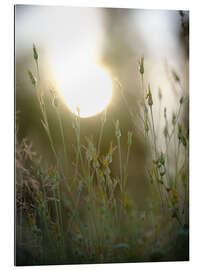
x=175 y=76
x=181 y=100
x=184 y=142
x=141 y=65
x=165 y=113
x=162 y=159
x=32 y=78
x=35 y=54
x=165 y=131
x=174 y=119
x=149 y=96
x=179 y=132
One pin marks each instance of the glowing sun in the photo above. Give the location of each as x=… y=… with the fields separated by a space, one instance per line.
x=88 y=87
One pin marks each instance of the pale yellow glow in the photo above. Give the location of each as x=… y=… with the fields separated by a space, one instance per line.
x=88 y=87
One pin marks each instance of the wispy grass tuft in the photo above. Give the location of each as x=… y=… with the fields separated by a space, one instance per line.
x=82 y=212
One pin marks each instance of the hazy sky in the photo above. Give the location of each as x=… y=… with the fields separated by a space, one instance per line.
x=65 y=31
x=73 y=38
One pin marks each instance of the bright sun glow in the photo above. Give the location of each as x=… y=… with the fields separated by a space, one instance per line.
x=88 y=87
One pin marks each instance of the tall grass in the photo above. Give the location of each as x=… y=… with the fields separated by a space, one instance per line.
x=96 y=219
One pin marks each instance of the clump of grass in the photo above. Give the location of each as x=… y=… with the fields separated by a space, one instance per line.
x=96 y=220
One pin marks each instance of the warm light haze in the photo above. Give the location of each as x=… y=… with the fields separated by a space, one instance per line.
x=88 y=87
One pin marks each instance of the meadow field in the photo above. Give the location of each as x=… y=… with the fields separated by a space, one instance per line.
x=109 y=188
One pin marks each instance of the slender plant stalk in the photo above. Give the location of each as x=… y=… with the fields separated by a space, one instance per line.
x=63 y=138
x=154 y=134
x=120 y=161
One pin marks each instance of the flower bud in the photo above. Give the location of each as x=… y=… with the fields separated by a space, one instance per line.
x=32 y=78
x=35 y=54
x=141 y=65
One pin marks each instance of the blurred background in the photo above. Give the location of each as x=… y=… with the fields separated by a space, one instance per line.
x=69 y=39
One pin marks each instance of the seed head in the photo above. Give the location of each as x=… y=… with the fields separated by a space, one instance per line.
x=32 y=78
x=165 y=116
x=141 y=65
x=35 y=54
x=165 y=131
x=174 y=119
x=181 y=100
x=175 y=76
x=162 y=159
x=149 y=96
x=179 y=132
